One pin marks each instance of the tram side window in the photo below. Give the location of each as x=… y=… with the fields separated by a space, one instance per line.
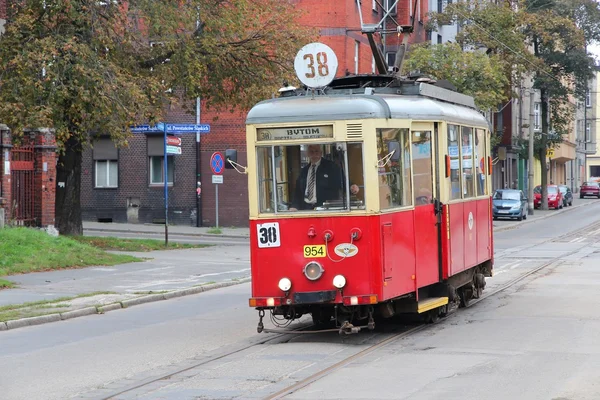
x=422 y=173
x=480 y=162
x=289 y=169
x=393 y=161
x=264 y=168
x=454 y=154
x=467 y=162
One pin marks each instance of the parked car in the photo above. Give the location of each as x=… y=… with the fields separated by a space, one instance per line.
x=566 y=194
x=589 y=189
x=555 y=198
x=509 y=203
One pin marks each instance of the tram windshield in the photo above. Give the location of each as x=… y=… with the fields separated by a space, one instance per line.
x=315 y=177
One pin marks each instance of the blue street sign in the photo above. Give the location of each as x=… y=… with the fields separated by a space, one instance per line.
x=172 y=128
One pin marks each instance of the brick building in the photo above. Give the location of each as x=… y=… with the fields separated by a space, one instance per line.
x=122 y=185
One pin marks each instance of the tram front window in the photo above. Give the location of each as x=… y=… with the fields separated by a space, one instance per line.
x=316 y=177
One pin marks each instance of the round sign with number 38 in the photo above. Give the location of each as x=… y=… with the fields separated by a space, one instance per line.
x=316 y=65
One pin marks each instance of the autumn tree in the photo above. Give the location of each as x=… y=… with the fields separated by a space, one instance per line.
x=86 y=67
x=473 y=73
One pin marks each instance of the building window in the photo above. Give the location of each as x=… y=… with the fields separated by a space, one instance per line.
x=588 y=131
x=374 y=5
x=536 y=116
x=388 y=7
x=440 y=6
x=107 y=174
x=390 y=58
x=106 y=164
x=428 y=35
x=588 y=99
x=356 y=55
x=439 y=39
x=373 y=65
x=157 y=172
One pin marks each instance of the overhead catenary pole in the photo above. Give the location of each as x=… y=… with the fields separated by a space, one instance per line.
x=531 y=143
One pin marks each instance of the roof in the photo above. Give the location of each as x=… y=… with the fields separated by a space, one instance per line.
x=361 y=106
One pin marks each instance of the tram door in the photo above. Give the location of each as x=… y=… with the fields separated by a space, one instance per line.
x=425 y=219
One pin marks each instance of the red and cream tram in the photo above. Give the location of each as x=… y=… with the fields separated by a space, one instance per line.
x=416 y=237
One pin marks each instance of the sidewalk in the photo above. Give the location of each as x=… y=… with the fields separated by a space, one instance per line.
x=176 y=265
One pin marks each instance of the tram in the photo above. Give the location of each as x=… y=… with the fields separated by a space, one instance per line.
x=397 y=217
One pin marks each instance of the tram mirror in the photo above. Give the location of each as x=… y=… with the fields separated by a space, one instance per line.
x=394 y=149
x=230 y=154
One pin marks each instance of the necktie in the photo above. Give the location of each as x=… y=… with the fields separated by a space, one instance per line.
x=310 y=187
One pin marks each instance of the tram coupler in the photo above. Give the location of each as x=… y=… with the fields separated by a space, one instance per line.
x=261 y=326
x=347 y=329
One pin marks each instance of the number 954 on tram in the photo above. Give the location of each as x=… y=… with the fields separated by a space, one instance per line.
x=368 y=198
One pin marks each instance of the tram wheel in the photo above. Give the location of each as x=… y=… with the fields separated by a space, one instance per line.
x=466 y=294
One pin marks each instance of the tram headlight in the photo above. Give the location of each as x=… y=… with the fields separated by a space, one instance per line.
x=339 y=281
x=313 y=270
x=285 y=284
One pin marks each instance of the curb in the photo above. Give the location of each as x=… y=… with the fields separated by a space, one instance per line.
x=19 y=323
x=211 y=235
x=513 y=226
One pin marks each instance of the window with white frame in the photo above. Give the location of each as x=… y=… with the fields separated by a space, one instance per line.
x=588 y=99
x=106 y=164
x=588 y=132
x=536 y=116
x=388 y=6
x=356 y=55
x=156 y=154
x=390 y=58
x=373 y=65
x=157 y=172
x=374 y=5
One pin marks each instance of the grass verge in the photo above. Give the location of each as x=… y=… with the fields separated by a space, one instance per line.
x=4 y=284
x=119 y=244
x=216 y=231
x=24 y=250
x=43 y=307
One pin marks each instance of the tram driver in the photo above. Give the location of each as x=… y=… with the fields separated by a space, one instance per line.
x=319 y=181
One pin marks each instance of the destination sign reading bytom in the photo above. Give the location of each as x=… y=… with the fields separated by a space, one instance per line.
x=295 y=133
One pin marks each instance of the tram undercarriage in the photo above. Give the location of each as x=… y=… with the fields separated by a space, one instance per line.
x=437 y=301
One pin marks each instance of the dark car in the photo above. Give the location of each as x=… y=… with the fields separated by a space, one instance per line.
x=589 y=189
x=567 y=195
x=509 y=203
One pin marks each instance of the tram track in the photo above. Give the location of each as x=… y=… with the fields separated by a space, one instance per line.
x=305 y=328
x=329 y=370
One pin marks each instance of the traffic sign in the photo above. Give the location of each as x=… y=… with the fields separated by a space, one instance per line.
x=173 y=141
x=173 y=149
x=217 y=179
x=143 y=129
x=217 y=163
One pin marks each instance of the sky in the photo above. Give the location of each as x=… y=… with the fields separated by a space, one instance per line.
x=595 y=50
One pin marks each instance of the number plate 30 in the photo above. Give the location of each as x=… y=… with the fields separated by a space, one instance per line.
x=314 y=251
x=268 y=234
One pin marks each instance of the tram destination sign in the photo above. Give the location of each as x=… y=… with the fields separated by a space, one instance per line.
x=295 y=133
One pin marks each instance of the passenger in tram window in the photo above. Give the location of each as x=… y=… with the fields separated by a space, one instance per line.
x=319 y=181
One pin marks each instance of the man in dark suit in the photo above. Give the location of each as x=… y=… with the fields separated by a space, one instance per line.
x=319 y=181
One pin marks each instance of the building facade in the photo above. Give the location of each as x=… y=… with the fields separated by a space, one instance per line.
x=127 y=184
x=589 y=127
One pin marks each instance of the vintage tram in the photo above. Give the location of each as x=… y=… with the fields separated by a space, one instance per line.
x=416 y=237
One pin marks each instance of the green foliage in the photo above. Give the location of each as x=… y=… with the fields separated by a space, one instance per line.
x=473 y=73
x=84 y=66
x=120 y=244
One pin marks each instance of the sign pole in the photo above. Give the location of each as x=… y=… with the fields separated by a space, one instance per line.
x=217 y=203
x=166 y=188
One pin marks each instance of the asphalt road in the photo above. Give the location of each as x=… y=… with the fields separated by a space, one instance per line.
x=536 y=340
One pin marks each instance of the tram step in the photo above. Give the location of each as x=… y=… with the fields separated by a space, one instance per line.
x=431 y=303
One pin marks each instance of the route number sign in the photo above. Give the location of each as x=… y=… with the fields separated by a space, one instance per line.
x=316 y=65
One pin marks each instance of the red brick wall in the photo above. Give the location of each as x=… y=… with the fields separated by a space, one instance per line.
x=45 y=181
x=2 y=9
x=5 y=185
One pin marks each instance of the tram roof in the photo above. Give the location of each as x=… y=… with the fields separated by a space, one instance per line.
x=357 y=106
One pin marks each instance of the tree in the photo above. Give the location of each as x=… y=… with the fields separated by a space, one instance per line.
x=86 y=67
x=542 y=38
x=473 y=73
x=558 y=40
